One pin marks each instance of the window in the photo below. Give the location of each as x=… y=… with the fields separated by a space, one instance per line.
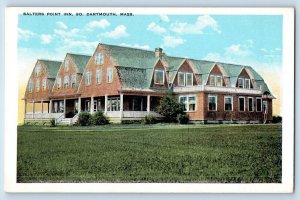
x=250 y=104
x=37 y=69
x=66 y=81
x=258 y=104
x=247 y=83
x=44 y=84
x=30 y=85
x=181 y=79
x=37 y=85
x=212 y=102
x=219 y=81
x=159 y=77
x=241 y=83
x=67 y=65
x=109 y=75
x=189 y=102
x=88 y=78
x=61 y=106
x=73 y=80
x=228 y=103
x=58 y=80
x=98 y=76
x=113 y=104
x=189 y=79
x=242 y=103
x=99 y=58
x=212 y=80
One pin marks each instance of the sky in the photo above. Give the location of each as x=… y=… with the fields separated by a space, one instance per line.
x=253 y=40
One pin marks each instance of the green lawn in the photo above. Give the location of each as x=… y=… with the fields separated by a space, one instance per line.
x=202 y=153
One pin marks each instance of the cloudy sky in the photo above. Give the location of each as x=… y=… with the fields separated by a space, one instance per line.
x=253 y=40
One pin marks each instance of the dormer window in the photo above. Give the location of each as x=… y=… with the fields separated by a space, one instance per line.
x=73 y=80
x=88 y=78
x=58 y=81
x=181 y=79
x=244 y=83
x=159 y=77
x=189 y=79
x=67 y=65
x=99 y=58
x=216 y=80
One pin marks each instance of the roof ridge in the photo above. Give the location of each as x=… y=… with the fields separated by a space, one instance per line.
x=128 y=47
x=76 y=54
x=42 y=59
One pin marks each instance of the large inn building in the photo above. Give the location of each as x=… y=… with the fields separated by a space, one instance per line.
x=127 y=83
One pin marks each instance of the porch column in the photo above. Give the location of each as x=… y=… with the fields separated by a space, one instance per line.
x=50 y=106
x=65 y=106
x=33 y=109
x=79 y=105
x=121 y=106
x=105 y=104
x=25 y=107
x=142 y=104
x=42 y=102
x=92 y=105
x=148 y=104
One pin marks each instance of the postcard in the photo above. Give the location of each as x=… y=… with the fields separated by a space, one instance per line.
x=149 y=100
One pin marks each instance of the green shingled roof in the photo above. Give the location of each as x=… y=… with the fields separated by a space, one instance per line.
x=52 y=67
x=135 y=67
x=80 y=60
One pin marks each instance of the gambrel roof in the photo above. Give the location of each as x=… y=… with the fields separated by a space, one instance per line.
x=80 y=60
x=135 y=67
x=52 y=67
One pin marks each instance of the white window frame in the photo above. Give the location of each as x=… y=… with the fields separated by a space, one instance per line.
x=98 y=76
x=210 y=80
x=186 y=78
x=37 y=83
x=242 y=97
x=88 y=78
x=58 y=82
x=67 y=65
x=44 y=84
x=261 y=103
x=73 y=80
x=187 y=103
x=163 y=81
x=30 y=87
x=216 y=81
x=225 y=97
x=249 y=85
x=66 y=81
x=99 y=58
x=109 y=75
x=37 y=70
x=253 y=109
x=216 y=97
x=243 y=85
x=183 y=79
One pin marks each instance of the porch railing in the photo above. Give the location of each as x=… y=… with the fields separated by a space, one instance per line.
x=130 y=114
x=42 y=115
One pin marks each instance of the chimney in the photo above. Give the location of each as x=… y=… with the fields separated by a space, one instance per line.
x=158 y=52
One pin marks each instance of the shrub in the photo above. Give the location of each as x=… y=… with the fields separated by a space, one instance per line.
x=52 y=122
x=84 y=119
x=277 y=119
x=169 y=107
x=183 y=118
x=150 y=119
x=99 y=118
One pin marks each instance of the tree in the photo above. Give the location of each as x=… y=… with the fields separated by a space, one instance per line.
x=169 y=107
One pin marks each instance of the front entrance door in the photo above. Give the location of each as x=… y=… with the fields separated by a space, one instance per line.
x=265 y=107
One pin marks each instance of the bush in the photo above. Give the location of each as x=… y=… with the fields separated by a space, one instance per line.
x=183 y=118
x=169 y=107
x=150 y=119
x=277 y=119
x=99 y=118
x=84 y=119
x=52 y=122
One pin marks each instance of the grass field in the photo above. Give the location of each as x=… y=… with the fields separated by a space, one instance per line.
x=206 y=154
